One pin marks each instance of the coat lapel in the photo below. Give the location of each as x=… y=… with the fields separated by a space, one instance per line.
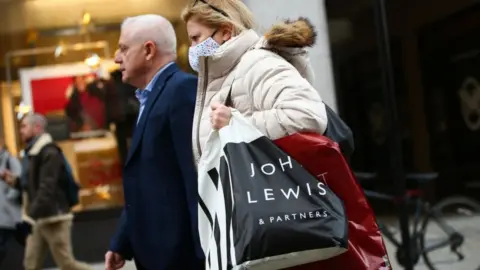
x=152 y=98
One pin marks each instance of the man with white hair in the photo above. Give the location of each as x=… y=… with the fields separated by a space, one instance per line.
x=158 y=226
x=46 y=205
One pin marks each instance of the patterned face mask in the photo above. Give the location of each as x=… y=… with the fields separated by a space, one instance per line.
x=205 y=48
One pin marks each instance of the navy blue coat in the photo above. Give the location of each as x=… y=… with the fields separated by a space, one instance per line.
x=158 y=227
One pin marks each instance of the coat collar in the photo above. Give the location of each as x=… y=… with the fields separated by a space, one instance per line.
x=43 y=140
x=228 y=55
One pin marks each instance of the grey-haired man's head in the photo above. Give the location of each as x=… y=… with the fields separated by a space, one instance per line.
x=32 y=125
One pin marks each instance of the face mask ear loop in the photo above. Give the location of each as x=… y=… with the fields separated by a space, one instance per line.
x=213 y=34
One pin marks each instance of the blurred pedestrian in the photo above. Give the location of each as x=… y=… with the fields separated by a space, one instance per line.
x=10 y=208
x=45 y=205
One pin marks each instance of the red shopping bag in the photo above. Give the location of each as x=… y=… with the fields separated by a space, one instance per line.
x=322 y=157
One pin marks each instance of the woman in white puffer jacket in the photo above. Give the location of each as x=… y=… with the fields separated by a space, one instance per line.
x=269 y=77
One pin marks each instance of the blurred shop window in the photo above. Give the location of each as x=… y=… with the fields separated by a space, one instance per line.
x=91 y=117
x=359 y=88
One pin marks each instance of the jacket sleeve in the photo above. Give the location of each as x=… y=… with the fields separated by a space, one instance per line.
x=181 y=115
x=15 y=166
x=120 y=242
x=284 y=102
x=49 y=173
x=16 y=169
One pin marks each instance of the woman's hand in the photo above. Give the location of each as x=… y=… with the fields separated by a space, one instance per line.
x=220 y=115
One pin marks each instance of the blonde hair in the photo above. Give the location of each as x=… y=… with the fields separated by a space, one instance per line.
x=210 y=13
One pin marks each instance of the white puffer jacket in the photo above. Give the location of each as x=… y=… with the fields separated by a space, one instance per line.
x=271 y=78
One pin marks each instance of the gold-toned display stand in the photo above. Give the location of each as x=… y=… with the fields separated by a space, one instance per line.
x=96 y=164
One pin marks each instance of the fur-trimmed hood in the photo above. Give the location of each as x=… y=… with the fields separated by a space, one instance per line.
x=255 y=70
x=290 y=39
x=298 y=33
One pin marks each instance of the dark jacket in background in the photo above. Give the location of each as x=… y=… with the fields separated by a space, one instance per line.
x=124 y=101
x=45 y=198
x=88 y=107
x=124 y=107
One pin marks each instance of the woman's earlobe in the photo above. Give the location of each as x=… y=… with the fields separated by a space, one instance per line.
x=227 y=37
x=227 y=33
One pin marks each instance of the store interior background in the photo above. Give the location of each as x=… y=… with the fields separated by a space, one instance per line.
x=435 y=46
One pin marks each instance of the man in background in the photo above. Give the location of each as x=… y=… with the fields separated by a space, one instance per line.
x=158 y=227
x=45 y=204
x=10 y=208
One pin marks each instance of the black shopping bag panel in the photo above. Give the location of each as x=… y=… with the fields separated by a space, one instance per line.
x=279 y=207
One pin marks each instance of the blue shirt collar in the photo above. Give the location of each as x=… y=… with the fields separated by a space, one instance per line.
x=143 y=94
x=155 y=78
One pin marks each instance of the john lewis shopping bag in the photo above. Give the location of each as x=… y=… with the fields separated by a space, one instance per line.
x=322 y=157
x=259 y=209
